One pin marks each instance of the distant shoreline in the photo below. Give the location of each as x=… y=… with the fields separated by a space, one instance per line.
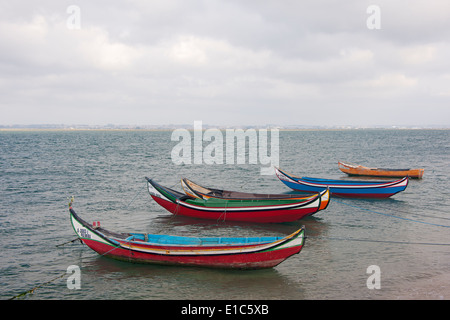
x=77 y=129
x=205 y=127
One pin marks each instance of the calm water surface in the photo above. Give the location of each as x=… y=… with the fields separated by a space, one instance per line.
x=105 y=170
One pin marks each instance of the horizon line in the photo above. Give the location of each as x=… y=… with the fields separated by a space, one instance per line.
x=206 y=126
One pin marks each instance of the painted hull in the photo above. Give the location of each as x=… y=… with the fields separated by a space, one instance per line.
x=261 y=211
x=344 y=188
x=357 y=170
x=235 y=253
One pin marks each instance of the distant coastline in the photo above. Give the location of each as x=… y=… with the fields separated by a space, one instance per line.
x=169 y=127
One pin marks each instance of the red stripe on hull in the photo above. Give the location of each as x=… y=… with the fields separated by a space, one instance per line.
x=254 y=260
x=263 y=216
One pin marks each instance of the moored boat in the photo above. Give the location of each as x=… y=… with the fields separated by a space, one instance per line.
x=344 y=188
x=248 y=210
x=197 y=191
x=358 y=170
x=213 y=252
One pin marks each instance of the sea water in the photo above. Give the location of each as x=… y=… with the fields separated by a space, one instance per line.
x=407 y=237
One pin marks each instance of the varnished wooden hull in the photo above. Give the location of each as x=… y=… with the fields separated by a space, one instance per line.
x=358 y=170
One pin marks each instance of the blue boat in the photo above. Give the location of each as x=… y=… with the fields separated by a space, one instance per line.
x=344 y=188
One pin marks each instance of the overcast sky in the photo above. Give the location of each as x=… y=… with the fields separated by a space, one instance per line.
x=228 y=62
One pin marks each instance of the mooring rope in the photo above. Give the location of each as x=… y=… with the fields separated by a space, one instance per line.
x=223 y=213
x=391 y=215
x=134 y=198
x=422 y=215
x=62 y=244
x=32 y=290
x=381 y=241
x=37 y=287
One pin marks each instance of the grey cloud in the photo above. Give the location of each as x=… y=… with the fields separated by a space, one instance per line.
x=225 y=62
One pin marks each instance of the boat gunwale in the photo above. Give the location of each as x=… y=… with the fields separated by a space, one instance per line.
x=192 y=186
x=179 y=250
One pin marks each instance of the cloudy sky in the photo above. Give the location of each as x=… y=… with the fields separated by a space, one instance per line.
x=228 y=62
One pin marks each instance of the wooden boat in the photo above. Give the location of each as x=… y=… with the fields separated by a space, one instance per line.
x=196 y=191
x=223 y=252
x=358 y=170
x=344 y=188
x=251 y=210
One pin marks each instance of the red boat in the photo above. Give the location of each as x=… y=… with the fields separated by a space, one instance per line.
x=220 y=252
x=248 y=210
